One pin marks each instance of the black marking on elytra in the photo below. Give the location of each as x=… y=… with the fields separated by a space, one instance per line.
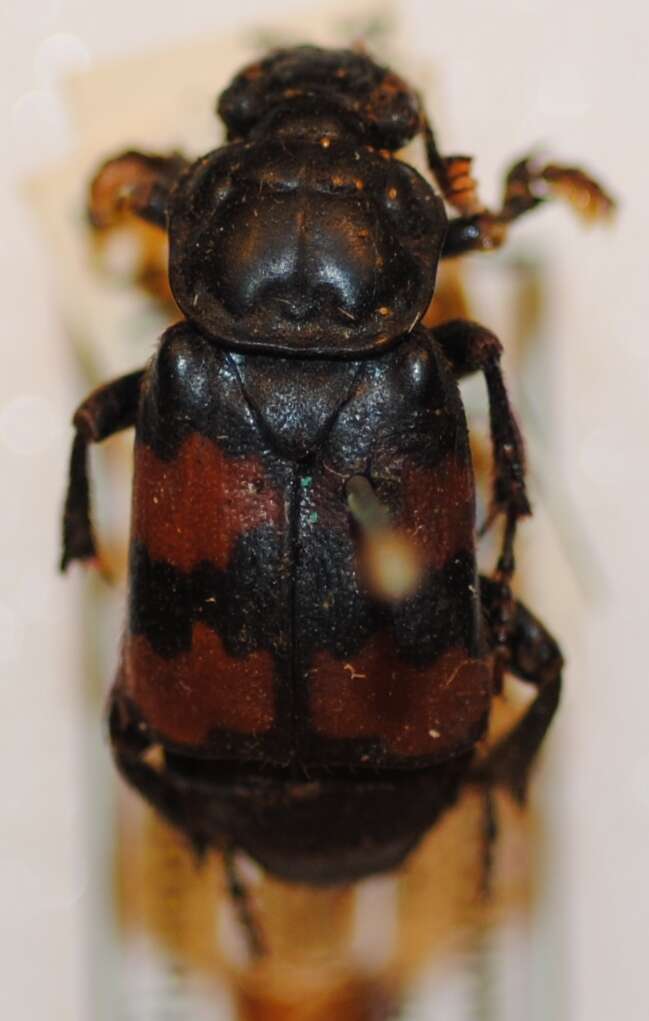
x=160 y=603
x=192 y=386
x=334 y=612
x=337 y=614
x=243 y=604
x=442 y=614
x=405 y=407
x=403 y=404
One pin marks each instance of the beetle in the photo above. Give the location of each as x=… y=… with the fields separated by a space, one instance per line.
x=270 y=697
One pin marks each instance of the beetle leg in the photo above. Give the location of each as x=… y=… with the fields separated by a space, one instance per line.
x=133 y=751
x=107 y=410
x=134 y=182
x=535 y=657
x=478 y=228
x=161 y=787
x=527 y=185
x=469 y=348
x=489 y=837
x=241 y=900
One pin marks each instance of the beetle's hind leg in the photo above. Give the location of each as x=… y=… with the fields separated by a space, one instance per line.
x=144 y=766
x=533 y=656
x=243 y=905
x=489 y=836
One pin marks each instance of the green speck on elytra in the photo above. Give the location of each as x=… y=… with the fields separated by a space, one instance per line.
x=313 y=517
x=306 y=481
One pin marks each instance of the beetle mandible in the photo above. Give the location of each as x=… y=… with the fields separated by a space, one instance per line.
x=298 y=710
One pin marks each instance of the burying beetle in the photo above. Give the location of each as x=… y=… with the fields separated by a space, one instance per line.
x=287 y=684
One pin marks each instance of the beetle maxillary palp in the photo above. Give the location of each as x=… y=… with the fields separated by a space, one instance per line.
x=390 y=561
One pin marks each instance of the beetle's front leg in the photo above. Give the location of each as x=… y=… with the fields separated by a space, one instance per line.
x=470 y=348
x=107 y=410
x=534 y=657
x=528 y=184
x=134 y=182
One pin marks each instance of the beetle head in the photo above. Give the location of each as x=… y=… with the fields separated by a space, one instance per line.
x=377 y=104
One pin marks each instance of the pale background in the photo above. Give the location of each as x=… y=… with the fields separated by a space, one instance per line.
x=571 y=78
